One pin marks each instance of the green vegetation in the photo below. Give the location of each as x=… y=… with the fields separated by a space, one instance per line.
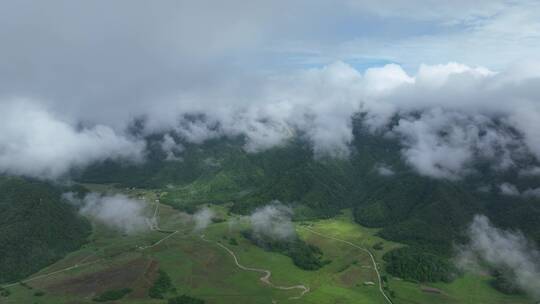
x=112 y=295
x=184 y=299
x=27 y=208
x=206 y=271
x=162 y=285
x=411 y=264
x=378 y=246
x=502 y=283
x=425 y=213
x=305 y=256
x=412 y=221
x=4 y=292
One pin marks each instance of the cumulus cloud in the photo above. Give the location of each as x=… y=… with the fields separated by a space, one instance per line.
x=118 y=211
x=35 y=143
x=273 y=221
x=508 y=251
x=203 y=218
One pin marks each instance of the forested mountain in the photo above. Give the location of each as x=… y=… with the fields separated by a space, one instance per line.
x=36 y=228
x=426 y=213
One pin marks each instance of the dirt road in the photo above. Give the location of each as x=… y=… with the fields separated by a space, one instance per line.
x=361 y=248
x=266 y=273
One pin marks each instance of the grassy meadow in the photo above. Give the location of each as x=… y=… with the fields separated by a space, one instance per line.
x=202 y=269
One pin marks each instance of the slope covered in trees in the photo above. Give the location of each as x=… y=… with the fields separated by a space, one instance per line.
x=36 y=227
x=415 y=265
x=303 y=255
x=427 y=214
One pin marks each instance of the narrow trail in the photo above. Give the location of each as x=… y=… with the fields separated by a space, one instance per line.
x=266 y=273
x=53 y=273
x=361 y=248
x=159 y=241
x=153 y=226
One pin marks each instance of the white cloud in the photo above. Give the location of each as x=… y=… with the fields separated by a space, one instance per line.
x=509 y=189
x=116 y=211
x=274 y=221
x=35 y=143
x=504 y=250
x=384 y=170
x=236 y=65
x=512 y=190
x=450 y=116
x=171 y=148
x=441 y=143
x=203 y=218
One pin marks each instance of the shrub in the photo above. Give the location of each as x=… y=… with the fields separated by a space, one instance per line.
x=112 y=295
x=161 y=286
x=304 y=255
x=184 y=299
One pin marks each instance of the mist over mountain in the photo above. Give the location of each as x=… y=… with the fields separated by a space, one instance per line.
x=419 y=120
x=445 y=118
x=446 y=114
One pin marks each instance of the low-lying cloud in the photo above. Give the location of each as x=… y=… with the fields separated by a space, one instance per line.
x=384 y=170
x=35 y=143
x=273 y=221
x=247 y=68
x=118 y=211
x=508 y=251
x=511 y=190
x=171 y=148
x=203 y=217
x=449 y=116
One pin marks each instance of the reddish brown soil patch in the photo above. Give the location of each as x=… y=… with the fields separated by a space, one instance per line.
x=115 y=277
x=428 y=289
x=350 y=277
x=145 y=281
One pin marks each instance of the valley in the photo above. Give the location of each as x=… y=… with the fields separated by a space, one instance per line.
x=209 y=265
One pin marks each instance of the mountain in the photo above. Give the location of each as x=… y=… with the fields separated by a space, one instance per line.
x=382 y=189
x=36 y=227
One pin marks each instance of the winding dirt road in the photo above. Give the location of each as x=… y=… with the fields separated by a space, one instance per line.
x=361 y=248
x=266 y=273
x=153 y=226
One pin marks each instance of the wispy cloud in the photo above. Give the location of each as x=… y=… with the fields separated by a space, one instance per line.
x=507 y=251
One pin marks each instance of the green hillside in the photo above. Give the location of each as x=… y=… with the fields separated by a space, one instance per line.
x=425 y=213
x=36 y=228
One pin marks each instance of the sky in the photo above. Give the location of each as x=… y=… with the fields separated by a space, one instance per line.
x=75 y=75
